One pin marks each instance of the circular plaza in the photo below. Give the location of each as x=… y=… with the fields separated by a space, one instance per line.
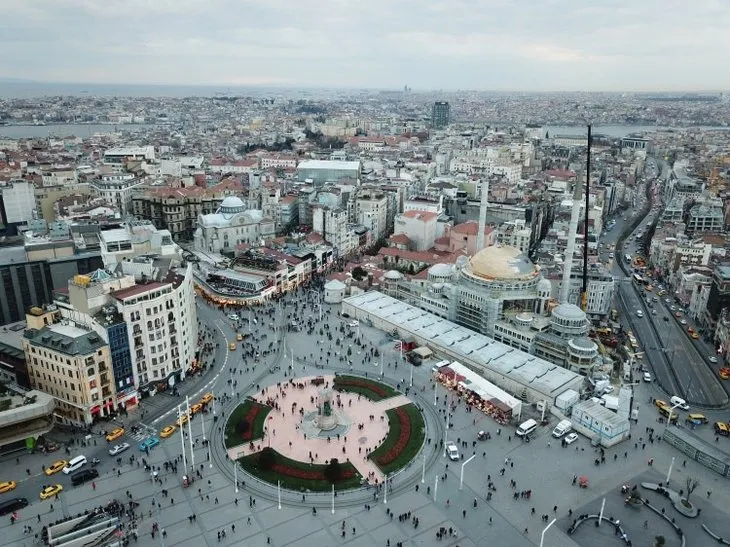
x=317 y=432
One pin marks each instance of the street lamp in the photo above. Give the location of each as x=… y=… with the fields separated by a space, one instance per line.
x=669 y=417
x=463 y=465
x=542 y=536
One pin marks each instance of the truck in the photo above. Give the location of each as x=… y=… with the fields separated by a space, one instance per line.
x=564 y=427
x=610 y=402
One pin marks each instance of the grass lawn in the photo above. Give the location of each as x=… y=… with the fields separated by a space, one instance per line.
x=241 y=412
x=400 y=451
x=294 y=474
x=375 y=391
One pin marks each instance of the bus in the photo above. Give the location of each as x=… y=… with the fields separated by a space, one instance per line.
x=638 y=279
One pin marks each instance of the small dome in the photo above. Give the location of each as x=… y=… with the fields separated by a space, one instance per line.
x=441 y=270
x=569 y=312
x=232 y=204
x=544 y=285
x=393 y=275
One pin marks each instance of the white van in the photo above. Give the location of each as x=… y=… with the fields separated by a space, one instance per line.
x=679 y=402
x=77 y=463
x=562 y=428
x=525 y=428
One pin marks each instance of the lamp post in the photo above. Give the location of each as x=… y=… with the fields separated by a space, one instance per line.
x=669 y=418
x=333 y=499
x=463 y=465
x=202 y=424
x=446 y=433
x=669 y=473
x=423 y=470
x=213 y=401
x=542 y=536
x=435 y=389
x=411 y=379
x=278 y=492
x=435 y=487
x=190 y=432
x=235 y=475
x=182 y=438
x=385 y=490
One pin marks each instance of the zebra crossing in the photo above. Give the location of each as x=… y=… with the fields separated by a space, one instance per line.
x=143 y=432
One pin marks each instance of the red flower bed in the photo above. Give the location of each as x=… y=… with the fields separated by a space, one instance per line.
x=305 y=474
x=250 y=417
x=375 y=388
x=403 y=438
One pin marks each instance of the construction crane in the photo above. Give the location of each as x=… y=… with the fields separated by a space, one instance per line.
x=584 y=291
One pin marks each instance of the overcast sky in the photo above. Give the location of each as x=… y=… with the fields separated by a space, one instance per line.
x=527 y=45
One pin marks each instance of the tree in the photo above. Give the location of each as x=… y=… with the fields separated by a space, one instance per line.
x=359 y=273
x=333 y=471
x=691 y=485
x=659 y=541
x=242 y=426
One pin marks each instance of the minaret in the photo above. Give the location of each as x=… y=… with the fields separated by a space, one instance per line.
x=570 y=249
x=482 y=216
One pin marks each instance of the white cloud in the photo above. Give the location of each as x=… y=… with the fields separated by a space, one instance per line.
x=482 y=44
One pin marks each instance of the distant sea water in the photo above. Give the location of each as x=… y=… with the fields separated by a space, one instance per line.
x=66 y=130
x=619 y=131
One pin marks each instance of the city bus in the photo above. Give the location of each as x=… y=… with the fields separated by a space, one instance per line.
x=638 y=279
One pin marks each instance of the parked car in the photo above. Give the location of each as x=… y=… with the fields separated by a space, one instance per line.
x=647 y=377
x=571 y=438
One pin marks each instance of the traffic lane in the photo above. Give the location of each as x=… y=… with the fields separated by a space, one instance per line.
x=695 y=383
x=649 y=343
x=701 y=380
x=30 y=486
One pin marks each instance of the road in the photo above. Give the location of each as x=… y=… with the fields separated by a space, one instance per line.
x=678 y=362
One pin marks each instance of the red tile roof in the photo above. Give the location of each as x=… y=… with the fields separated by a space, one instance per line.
x=425 y=216
x=470 y=227
x=400 y=239
x=134 y=290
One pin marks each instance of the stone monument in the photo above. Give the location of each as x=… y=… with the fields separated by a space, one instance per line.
x=326 y=419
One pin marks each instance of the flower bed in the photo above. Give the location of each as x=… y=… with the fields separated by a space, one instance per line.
x=406 y=434
x=375 y=391
x=251 y=412
x=300 y=476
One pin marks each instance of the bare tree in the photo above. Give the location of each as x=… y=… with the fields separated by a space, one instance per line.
x=691 y=484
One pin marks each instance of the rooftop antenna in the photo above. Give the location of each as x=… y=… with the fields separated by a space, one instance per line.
x=584 y=293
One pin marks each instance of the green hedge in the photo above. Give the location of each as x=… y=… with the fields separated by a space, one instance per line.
x=301 y=484
x=232 y=437
x=412 y=445
x=375 y=391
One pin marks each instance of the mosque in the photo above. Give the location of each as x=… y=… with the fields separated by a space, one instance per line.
x=500 y=293
x=232 y=225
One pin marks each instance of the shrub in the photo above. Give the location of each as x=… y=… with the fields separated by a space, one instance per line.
x=267 y=459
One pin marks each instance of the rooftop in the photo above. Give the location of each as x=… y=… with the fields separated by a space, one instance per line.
x=65 y=338
x=481 y=350
x=329 y=164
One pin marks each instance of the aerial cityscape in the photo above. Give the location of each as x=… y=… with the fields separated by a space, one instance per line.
x=468 y=287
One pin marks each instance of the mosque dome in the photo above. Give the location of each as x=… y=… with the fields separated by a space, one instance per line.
x=501 y=262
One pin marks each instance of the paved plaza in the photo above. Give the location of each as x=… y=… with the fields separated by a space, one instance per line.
x=288 y=427
x=435 y=497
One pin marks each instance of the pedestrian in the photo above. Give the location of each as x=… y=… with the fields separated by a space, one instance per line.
x=93 y=485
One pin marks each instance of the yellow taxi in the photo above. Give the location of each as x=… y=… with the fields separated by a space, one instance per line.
x=114 y=435
x=721 y=428
x=232 y=346
x=50 y=491
x=239 y=336
x=197 y=407
x=55 y=467
x=167 y=431
x=7 y=486
x=205 y=399
x=659 y=403
x=182 y=420
x=694 y=336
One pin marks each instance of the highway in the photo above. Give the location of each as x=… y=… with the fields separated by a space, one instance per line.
x=679 y=364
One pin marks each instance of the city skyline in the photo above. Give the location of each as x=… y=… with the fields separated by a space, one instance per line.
x=610 y=45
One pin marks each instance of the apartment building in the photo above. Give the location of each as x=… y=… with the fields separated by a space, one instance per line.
x=162 y=327
x=17 y=202
x=117 y=189
x=72 y=364
x=178 y=209
x=371 y=211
